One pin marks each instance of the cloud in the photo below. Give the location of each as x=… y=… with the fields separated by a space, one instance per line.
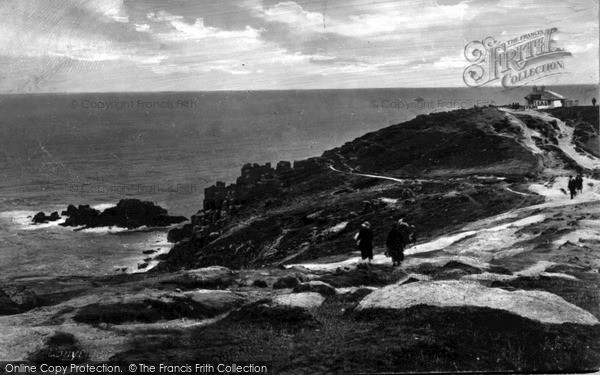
x=198 y=31
x=172 y=45
x=390 y=23
x=112 y=9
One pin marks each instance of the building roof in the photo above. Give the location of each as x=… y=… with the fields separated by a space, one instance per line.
x=544 y=95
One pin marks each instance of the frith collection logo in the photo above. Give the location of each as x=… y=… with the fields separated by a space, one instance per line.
x=515 y=62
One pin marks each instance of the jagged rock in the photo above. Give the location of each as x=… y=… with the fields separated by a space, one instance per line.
x=128 y=213
x=286 y=282
x=305 y=300
x=71 y=210
x=82 y=215
x=41 y=217
x=317 y=287
x=178 y=234
x=533 y=304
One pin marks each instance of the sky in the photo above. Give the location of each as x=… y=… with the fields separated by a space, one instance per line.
x=205 y=45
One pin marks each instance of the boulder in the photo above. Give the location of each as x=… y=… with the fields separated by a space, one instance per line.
x=317 y=287
x=304 y=300
x=260 y=284
x=41 y=217
x=215 y=301
x=533 y=304
x=354 y=294
x=82 y=215
x=451 y=270
x=286 y=282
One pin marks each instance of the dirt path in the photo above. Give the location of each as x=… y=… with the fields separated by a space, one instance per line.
x=375 y=176
x=565 y=139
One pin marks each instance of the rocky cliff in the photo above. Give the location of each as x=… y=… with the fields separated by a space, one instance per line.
x=441 y=170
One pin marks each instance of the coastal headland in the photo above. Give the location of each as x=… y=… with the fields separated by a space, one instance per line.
x=503 y=276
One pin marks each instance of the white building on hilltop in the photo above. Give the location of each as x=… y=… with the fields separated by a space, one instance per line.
x=542 y=99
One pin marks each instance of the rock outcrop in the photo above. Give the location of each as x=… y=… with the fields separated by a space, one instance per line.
x=41 y=218
x=289 y=281
x=533 y=304
x=317 y=287
x=151 y=305
x=308 y=300
x=128 y=213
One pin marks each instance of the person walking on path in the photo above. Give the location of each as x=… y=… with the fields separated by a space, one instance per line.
x=364 y=240
x=399 y=236
x=572 y=187
x=395 y=245
x=579 y=183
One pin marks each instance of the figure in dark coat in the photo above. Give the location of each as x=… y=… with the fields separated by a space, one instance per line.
x=364 y=240
x=572 y=187
x=395 y=245
x=579 y=183
x=400 y=236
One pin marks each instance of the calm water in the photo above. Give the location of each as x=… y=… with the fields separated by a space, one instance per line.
x=167 y=147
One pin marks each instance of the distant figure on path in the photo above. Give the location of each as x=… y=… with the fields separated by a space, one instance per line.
x=364 y=240
x=572 y=187
x=579 y=183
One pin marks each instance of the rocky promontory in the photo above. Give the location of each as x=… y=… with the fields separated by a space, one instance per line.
x=311 y=208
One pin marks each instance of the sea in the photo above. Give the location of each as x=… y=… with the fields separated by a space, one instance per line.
x=167 y=147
